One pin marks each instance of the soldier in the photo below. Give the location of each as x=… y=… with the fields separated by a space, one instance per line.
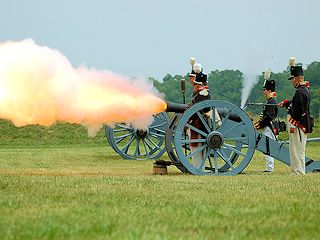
x=268 y=114
x=201 y=92
x=298 y=118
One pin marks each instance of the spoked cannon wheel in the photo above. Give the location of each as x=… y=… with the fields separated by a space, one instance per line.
x=222 y=150
x=171 y=150
x=131 y=143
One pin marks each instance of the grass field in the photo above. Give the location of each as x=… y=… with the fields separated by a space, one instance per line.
x=56 y=183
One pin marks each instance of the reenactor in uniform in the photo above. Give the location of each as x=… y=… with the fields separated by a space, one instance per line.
x=268 y=115
x=298 y=118
x=201 y=92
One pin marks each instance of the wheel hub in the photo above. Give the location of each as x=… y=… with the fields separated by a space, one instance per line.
x=141 y=133
x=215 y=139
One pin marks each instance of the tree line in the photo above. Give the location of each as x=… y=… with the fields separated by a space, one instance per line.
x=227 y=85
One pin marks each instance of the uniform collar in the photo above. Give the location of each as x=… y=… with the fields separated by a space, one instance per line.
x=302 y=84
x=200 y=88
x=271 y=95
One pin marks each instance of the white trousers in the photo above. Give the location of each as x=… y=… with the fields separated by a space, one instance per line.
x=269 y=160
x=297 y=148
x=198 y=157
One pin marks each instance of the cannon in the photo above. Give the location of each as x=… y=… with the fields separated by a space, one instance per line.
x=226 y=148
x=139 y=144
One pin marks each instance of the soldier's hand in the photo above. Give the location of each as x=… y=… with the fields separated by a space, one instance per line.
x=257 y=125
x=283 y=103
x=293 y=130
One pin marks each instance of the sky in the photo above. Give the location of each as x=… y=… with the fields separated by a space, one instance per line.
x=152 y=38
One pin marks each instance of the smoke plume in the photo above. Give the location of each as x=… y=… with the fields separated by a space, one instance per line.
x=249 y=81
x=251 y=76
x=38 y=85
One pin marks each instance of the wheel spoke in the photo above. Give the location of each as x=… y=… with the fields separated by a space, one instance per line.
x=215 y=157
x=120 y=138
x=159 y=130
x=210 y=162
x=230 y=129
x=145 y=147
x=156 y=135
x=224 y=157
x=204 y=122
x=158 y=125
x=208 y=153
x=226 y=117
x=137 y=150
x=152 y=142
x=230 y=147
x=196 y=130
x=126 y=148
x=214 y=127
x=237 y=139
x=123 y=126
x=201 y=140
x=199 y=149
x=147 y=144
x=208 y=150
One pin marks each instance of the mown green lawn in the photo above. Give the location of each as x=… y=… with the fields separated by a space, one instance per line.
x=51 y=188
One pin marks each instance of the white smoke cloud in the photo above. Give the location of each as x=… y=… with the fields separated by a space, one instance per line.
x=38 y=85
x=249 y=81
x=251 y=75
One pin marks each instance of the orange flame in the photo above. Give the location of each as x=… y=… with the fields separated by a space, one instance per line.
x=38 y=85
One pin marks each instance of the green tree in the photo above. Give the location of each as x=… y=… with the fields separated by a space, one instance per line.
x=226 y=85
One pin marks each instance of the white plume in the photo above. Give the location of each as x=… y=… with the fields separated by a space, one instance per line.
x=292 y=61
x=197 y=68
x=192 y=61
x=267 y=74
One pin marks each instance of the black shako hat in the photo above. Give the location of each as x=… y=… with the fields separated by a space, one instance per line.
x=269 y=85
x=295 y=71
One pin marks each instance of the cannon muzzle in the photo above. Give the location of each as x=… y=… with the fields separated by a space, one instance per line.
x=176 y=107
x=233 y=116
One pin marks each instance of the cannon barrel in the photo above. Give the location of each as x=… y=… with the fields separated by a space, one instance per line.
x=232 y=116
x=180 y=108
x=176 y=107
